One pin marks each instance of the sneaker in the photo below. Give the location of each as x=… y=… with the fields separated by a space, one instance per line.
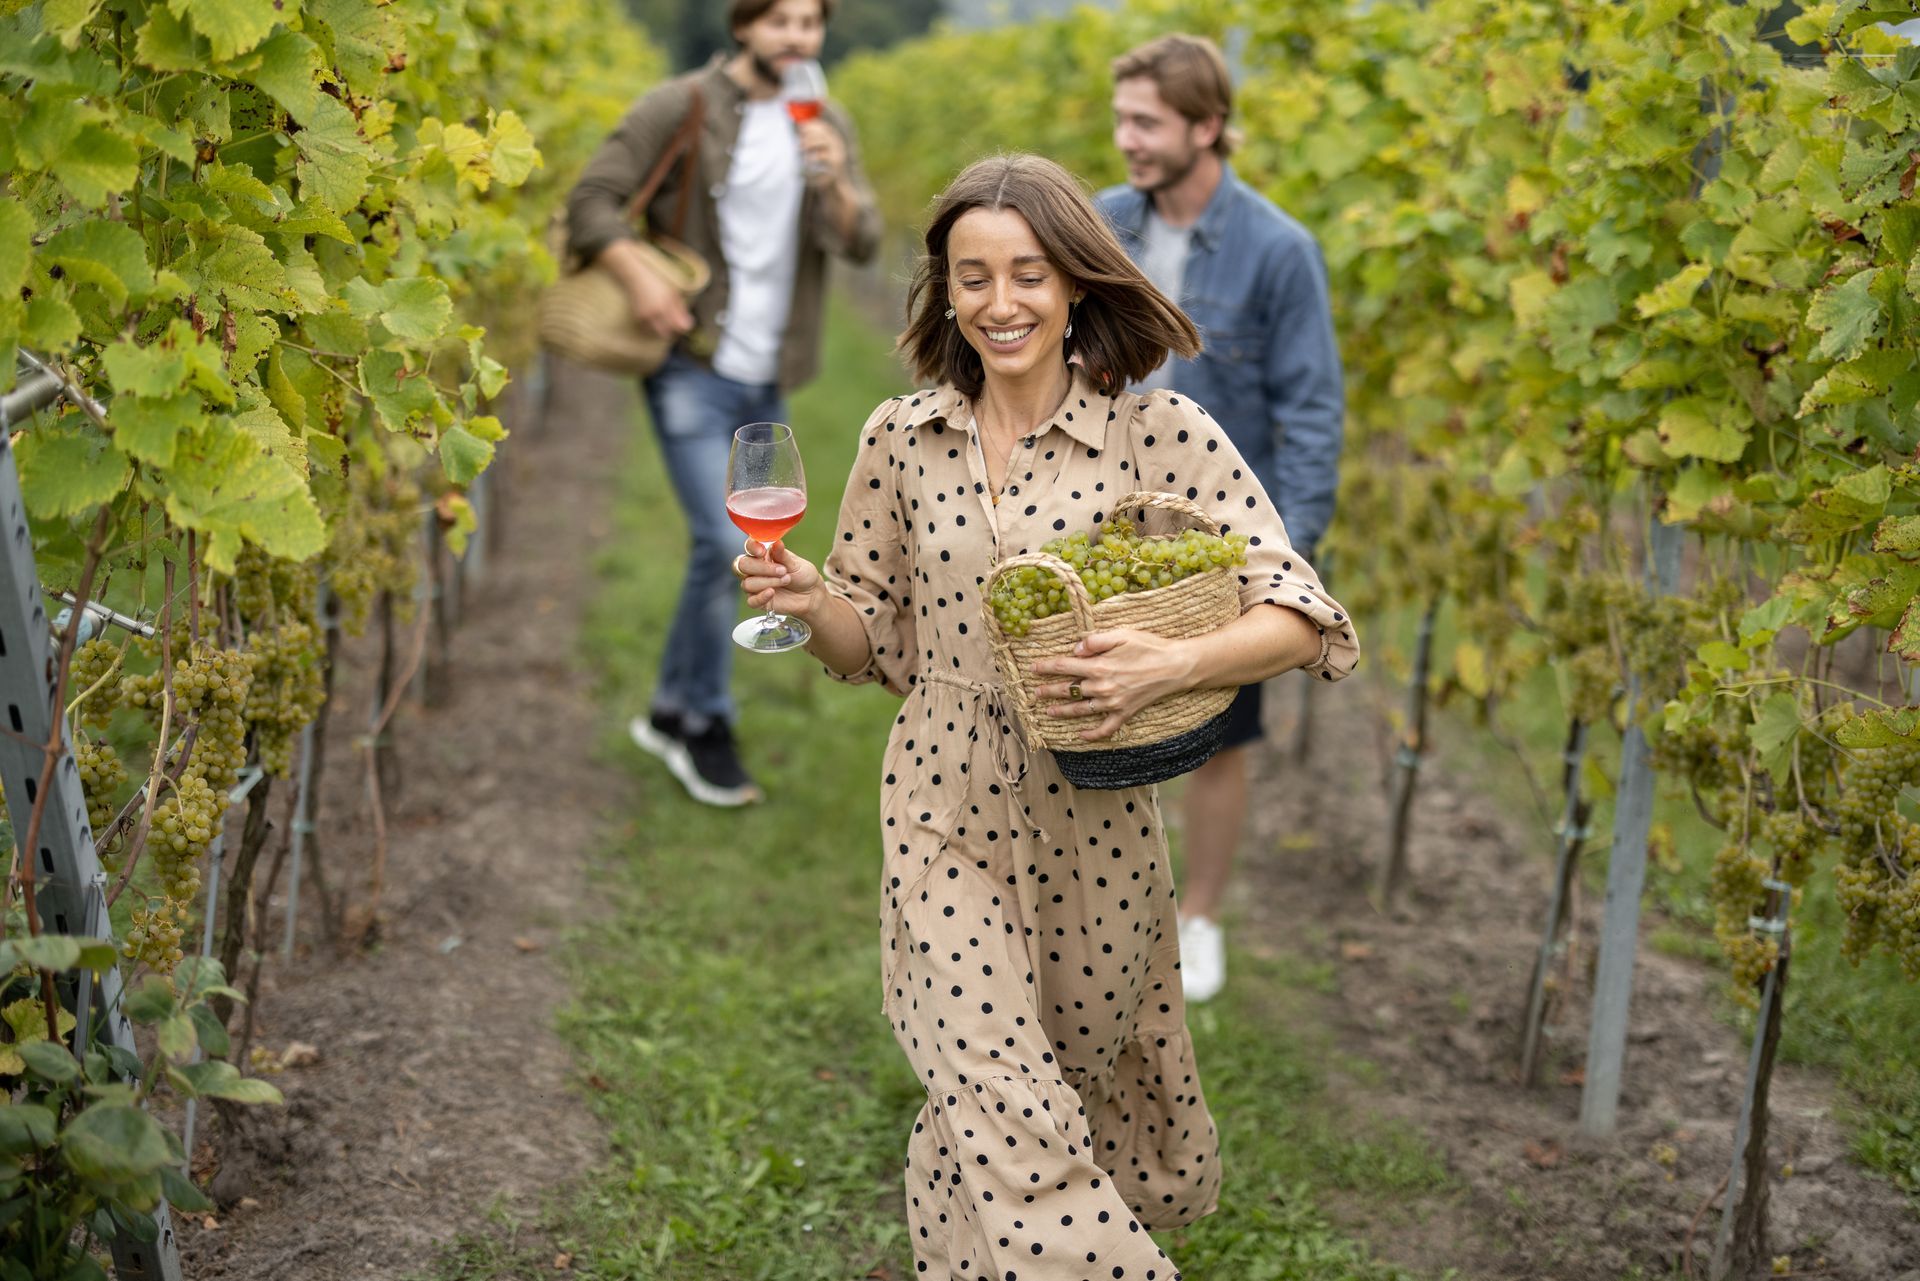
x=705 y=763
x=659 y=733
x=1203 y=959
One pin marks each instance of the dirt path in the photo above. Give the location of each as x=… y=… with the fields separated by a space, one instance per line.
x=1432 y=995
x=441 y=1091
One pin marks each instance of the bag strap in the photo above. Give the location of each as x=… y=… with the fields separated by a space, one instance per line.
x=682 y=146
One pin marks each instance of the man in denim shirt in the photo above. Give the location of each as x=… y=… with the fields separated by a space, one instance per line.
x=1253 y=280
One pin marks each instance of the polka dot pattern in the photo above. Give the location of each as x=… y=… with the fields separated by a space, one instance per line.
x=1029 y=932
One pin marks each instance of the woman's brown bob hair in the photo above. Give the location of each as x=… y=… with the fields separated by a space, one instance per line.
x=1123 y=327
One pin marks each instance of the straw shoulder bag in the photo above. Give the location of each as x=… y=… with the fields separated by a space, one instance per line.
x=585 y=316
x=1163 y=739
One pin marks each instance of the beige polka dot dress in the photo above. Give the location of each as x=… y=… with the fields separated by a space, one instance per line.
x=1031 y=956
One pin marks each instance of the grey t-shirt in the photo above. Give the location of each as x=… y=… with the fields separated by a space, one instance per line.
x=1163 y=259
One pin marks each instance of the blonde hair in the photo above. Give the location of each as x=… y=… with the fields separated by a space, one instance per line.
x=1191 y=74
x=1123 y=328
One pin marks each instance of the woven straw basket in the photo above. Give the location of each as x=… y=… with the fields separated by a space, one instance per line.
x=585 y=315
x=1161 y=740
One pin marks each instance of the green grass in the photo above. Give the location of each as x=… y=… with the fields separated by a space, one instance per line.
x=1857 y=1022
x=727 y=1020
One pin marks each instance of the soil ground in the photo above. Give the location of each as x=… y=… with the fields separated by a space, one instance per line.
x=442 y=1096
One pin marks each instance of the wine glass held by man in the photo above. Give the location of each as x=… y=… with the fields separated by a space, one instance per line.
x=1028 y=929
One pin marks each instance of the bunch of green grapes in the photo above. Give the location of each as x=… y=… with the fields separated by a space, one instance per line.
x=102 y=775
x=210 y=688
x=154 y=934
x=1794 y=841
x=1738 y=892
x=1122 y=559
x=1707 y=754
x=375 y=545
x=90 y=676
x=1877 y=849
x=287 y=689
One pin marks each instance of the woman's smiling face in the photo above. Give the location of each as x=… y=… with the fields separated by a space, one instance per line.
x=1011 y=303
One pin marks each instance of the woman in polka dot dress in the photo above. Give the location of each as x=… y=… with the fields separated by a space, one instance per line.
x=1029 y=930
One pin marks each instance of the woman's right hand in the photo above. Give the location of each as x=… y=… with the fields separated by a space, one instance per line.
x=774 y=578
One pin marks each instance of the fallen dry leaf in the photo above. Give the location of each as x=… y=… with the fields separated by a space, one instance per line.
x=1574 y=1076
x=562 y=1262
x=824 y=1074
x=879 y=1273
x=597 y=1082
x=1542 y=1155
x=526 y=945
x=299 y=1054
x=1355 y=951
x=210 y=1223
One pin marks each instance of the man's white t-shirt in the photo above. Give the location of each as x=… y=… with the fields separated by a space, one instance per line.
x=1163 y=260
x=760 y=237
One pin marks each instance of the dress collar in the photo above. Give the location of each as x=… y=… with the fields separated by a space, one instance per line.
x=1082 y=415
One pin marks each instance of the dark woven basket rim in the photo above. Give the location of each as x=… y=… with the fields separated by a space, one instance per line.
x=1147 y=763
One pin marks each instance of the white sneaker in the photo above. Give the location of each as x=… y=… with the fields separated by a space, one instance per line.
x=1203 y=959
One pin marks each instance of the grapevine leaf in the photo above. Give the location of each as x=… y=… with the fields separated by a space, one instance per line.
x=1852 y=503
x=334 y=159
x=67 y=19
x=210 y=1031
x=1905 y=641
x=1695 y=428
x=148 y=132
x=1776 y=723
x=28 y=1019
x=166 y=44
x=1673 y=294
x=1881 y=601
x=46 y=952
x=144 y=371
x=464 y=455
x=16 y=245
x=230 y=489
x=176 y=1037
x=311 y=218
x=48 y=1061
x=150 y=430
x=286 y=68
x=514 y=155
x=1765 y=620
x=1846 y=316
x=401 y=396
x=115 y=1143
x=51 y=324
x=271 y=433
x=26 y=1128
x=97 y=163
x=1899 y=535
x=1528 y=295
x=236 y=264
x=1876 y=728
x=180 y=1192
x=231 y=26
x=363 y=37
x=220 y=1080
x=416 y=309
x=1865 y=377
x=150 y=1002
x=109 y=255
x=64 y=473
x=238 y=180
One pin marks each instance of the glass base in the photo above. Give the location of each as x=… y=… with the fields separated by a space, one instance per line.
x=771 y=634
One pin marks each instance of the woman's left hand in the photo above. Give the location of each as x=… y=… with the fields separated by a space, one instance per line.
x=1112 y=675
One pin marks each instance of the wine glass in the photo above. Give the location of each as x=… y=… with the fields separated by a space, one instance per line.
x=803 y=88
x=766 y=497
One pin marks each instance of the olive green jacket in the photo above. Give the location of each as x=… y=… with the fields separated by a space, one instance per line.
x=597 y=209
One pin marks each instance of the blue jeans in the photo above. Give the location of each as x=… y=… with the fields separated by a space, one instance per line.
x=696 y=412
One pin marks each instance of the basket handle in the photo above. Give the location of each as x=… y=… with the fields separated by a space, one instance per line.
x=1169 y=502
x=1077 y=598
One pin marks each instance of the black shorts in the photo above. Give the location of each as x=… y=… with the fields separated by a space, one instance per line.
x=1243 y=718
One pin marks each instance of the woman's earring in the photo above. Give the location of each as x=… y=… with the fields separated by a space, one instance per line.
x=1069 y=332
x=949 y=313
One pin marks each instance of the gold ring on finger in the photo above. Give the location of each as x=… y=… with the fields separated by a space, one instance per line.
x=1073 y=690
